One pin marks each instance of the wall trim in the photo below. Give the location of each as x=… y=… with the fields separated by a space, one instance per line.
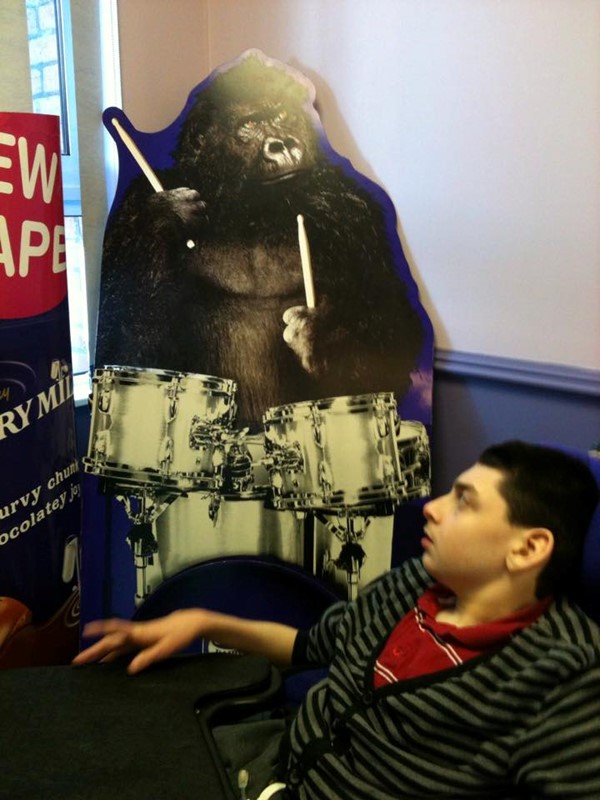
x=557 y=377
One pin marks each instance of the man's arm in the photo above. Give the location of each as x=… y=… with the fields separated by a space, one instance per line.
x=558 y=757
x=160 y=638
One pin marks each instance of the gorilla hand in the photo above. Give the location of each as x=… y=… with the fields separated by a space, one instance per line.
x=304 y=327
x=178 y=212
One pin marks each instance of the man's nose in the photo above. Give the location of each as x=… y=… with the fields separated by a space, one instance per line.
x=431 y=509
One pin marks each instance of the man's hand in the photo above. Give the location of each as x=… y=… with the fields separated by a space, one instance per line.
x=160 y=638
x=156 y=639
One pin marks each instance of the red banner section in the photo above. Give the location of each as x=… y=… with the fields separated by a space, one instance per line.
x=33 y=277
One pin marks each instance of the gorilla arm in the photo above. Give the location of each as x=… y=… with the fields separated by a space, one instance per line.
x=364 y=335
x=167 y=216
x=142 y=269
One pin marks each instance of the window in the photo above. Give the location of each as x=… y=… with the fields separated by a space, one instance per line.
x=53 y=90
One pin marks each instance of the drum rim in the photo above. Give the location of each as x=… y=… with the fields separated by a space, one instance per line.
x=157 y=375
x=150 y=476
x=363 y=400
x=365 y=496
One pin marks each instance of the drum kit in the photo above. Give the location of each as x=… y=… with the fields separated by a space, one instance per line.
x=164 y=444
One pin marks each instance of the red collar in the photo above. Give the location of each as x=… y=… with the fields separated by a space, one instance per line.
x=477 y=637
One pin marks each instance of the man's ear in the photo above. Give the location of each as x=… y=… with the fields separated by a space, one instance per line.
x=530 y=548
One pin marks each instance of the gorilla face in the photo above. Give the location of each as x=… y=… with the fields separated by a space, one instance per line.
x=247 y=133
x=273 y=142
x=249 y=148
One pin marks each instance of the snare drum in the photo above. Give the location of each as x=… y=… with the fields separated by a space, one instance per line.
x=332 y=453
x=159 y=427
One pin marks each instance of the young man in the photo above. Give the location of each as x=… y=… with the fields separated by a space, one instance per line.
x=466 y=674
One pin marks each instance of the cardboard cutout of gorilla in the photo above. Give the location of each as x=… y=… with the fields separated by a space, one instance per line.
x=206 y=275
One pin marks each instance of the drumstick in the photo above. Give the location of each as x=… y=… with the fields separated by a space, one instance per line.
x=141 y=162
x=309 y=288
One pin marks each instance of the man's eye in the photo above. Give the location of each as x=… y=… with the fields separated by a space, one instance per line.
x=462 y=499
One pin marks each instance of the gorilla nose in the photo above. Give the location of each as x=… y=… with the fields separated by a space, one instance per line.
x=276 y=149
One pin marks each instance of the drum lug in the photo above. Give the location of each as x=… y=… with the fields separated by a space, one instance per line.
x=317 y=427
x=172 y=399
x=388 y=471
x=213 y=507
x=101 y=446
x=276 y=482
x=382 y=412
x=325 y=478
x=166 y=455
x=105 y=384
x=229 y=415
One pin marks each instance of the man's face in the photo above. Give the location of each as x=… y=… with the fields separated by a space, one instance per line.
x=467 y=532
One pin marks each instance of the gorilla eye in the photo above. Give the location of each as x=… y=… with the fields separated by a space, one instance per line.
x=248 y=130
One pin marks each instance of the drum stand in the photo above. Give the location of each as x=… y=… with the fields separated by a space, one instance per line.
x=143 y=506
x=350 y=531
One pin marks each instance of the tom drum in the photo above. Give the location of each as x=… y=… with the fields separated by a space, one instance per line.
x=159 y=427
x=332 y=453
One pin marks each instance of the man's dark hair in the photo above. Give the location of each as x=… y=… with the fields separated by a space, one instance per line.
x=548 y=488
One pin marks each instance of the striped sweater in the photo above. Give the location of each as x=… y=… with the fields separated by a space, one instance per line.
x=522 y=722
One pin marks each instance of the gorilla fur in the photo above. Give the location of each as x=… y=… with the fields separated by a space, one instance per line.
x=249 y=158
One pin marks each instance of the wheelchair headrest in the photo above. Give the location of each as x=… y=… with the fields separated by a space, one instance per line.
x=591 y=556
x=588 y=595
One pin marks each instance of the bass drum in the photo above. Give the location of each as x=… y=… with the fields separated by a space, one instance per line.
x=186 y=535
x=254 y=588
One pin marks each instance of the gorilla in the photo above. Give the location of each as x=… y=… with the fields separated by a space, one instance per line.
x=205 y=276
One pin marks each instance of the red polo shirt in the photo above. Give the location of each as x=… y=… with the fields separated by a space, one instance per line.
x=419 y=644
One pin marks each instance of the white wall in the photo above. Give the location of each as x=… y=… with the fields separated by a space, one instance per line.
x=480 y=118
x=15 y=80
x=164 y=52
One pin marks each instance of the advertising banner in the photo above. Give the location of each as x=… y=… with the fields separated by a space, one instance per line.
x=40 y=515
